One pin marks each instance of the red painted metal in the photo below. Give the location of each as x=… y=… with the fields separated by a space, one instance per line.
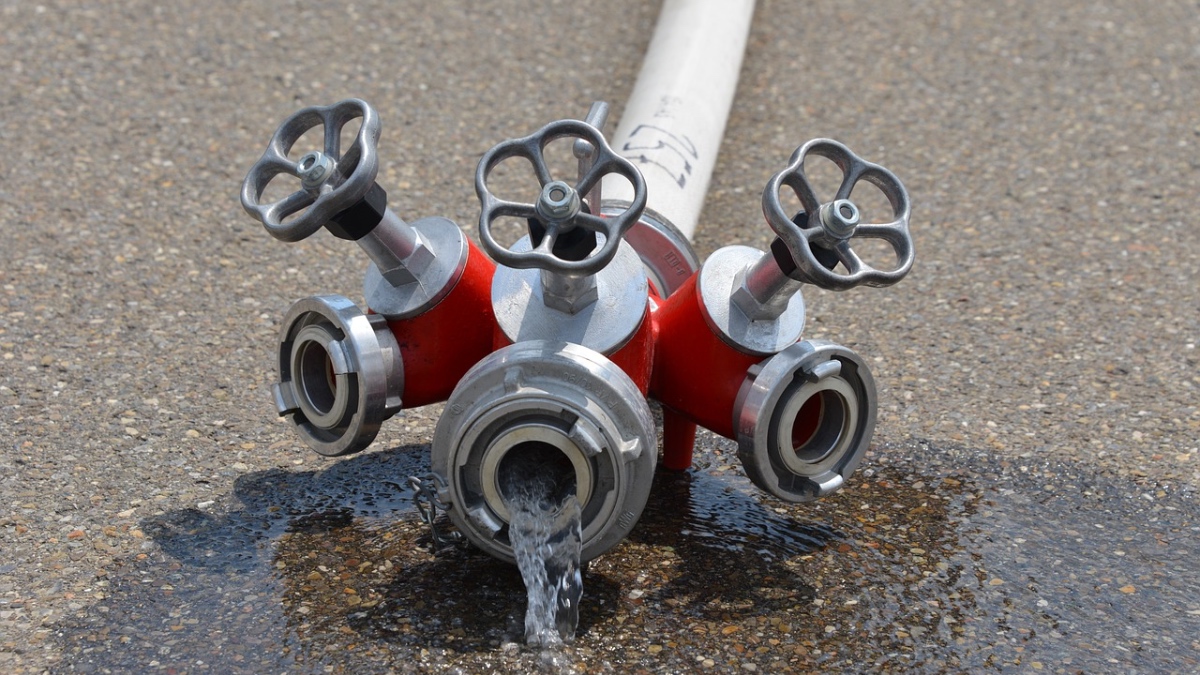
x=440 y=345
x=636 y=357
x=674 y=356
x=696 y=375
x=679 y=439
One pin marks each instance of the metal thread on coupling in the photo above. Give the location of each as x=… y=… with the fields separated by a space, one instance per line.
x=558 y=202
x=314 y=169
x=839 y=218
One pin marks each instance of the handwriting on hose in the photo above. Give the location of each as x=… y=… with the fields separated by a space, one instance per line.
x=673 y=153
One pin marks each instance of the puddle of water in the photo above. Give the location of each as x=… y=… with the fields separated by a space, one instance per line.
x=933 y=560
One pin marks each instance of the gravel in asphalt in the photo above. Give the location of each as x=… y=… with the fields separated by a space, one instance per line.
x=1029 y=502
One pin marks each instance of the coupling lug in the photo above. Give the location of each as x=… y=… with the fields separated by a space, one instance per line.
x=285 y=402
x=821 y=371
x=587 y=437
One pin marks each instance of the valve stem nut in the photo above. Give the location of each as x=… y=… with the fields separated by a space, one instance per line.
x=314 y=169
x=839 y=218
x=558 y=202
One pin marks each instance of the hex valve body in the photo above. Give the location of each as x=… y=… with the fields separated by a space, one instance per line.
x=559 y=347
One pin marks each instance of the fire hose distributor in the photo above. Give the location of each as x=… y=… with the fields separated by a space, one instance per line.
x=803 y=413
x=342 y=372
x=575 y=347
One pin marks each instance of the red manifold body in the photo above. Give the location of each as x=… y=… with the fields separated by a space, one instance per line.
x=696 y=375
x=439 y=345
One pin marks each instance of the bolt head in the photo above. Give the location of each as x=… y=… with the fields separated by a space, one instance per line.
x=314 y=169
x=839 y=218
x=558 y=202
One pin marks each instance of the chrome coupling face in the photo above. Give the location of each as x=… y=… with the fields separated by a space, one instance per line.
x=804 y=420
x=340 y=374
x=576 y=410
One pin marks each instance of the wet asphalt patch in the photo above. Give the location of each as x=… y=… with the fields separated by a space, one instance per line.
x=933 y=560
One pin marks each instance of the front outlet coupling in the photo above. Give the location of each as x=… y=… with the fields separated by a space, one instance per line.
x=805 y=418
x=565 y=407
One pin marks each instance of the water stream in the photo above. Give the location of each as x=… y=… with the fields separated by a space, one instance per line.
x=547 y=540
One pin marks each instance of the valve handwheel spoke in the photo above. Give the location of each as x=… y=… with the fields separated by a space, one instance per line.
x=559 y=208
x=831 y=226
x=330 y=181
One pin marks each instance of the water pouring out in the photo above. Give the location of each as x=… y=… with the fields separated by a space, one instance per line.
x=538 y=484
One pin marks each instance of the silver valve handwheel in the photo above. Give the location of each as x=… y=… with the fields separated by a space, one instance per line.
x=832 y=225
x=559 y=207
x=330 y=181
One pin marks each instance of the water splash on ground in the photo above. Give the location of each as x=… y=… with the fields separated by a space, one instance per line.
x=933 y=560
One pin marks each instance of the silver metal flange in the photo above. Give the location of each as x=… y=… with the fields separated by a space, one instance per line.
x=720 y=277
x=804 y=418
x=604 y=325
x=546 y=395
x=447 y=249
x=340 y=374
x=666 y=253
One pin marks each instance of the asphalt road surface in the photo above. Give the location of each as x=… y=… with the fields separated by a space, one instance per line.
x=1029 y=501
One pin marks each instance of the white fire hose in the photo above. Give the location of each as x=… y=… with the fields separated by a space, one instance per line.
x=675 y=117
